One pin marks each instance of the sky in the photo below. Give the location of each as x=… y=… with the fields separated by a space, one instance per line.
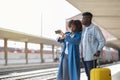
x=37 y=17
x=27 y=15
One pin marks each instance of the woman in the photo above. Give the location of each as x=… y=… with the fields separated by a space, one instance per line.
x=69 y=68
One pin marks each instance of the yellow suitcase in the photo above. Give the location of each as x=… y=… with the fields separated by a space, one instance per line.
x=100 y=74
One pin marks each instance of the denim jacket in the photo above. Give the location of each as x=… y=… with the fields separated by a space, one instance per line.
x=75 y=40
x=94 y=41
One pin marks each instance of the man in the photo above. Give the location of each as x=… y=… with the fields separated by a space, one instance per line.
x=92 y=42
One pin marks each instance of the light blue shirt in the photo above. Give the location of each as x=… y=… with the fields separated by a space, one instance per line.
x=92 y=40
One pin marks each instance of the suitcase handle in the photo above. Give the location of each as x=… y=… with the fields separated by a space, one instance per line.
x=98 y=63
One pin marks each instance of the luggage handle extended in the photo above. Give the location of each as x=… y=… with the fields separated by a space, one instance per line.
x=98 y=63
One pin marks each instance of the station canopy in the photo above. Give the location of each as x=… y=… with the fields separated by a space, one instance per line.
x=106 y=14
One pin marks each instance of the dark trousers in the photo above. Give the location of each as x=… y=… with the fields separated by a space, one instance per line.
x=88 y=66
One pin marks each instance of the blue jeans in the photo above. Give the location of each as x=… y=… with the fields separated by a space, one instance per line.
x=88 y=66
x=65 y=67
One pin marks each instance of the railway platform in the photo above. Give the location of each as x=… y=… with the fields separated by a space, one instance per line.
x=50 y=74
x=115 y=71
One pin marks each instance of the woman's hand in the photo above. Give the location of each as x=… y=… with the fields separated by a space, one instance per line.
x=63 y=35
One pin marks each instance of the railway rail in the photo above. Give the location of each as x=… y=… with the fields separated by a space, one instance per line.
x=47 y=74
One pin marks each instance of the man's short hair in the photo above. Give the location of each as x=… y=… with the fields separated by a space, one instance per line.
x=87 y=14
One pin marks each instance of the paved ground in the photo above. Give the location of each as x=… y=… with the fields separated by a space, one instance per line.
x=115 y=71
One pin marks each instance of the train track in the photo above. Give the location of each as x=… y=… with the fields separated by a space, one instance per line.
x=44 y=74
x=25 y=68
x=47 y=74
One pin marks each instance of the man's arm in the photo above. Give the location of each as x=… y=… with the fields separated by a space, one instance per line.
x=101 y=40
